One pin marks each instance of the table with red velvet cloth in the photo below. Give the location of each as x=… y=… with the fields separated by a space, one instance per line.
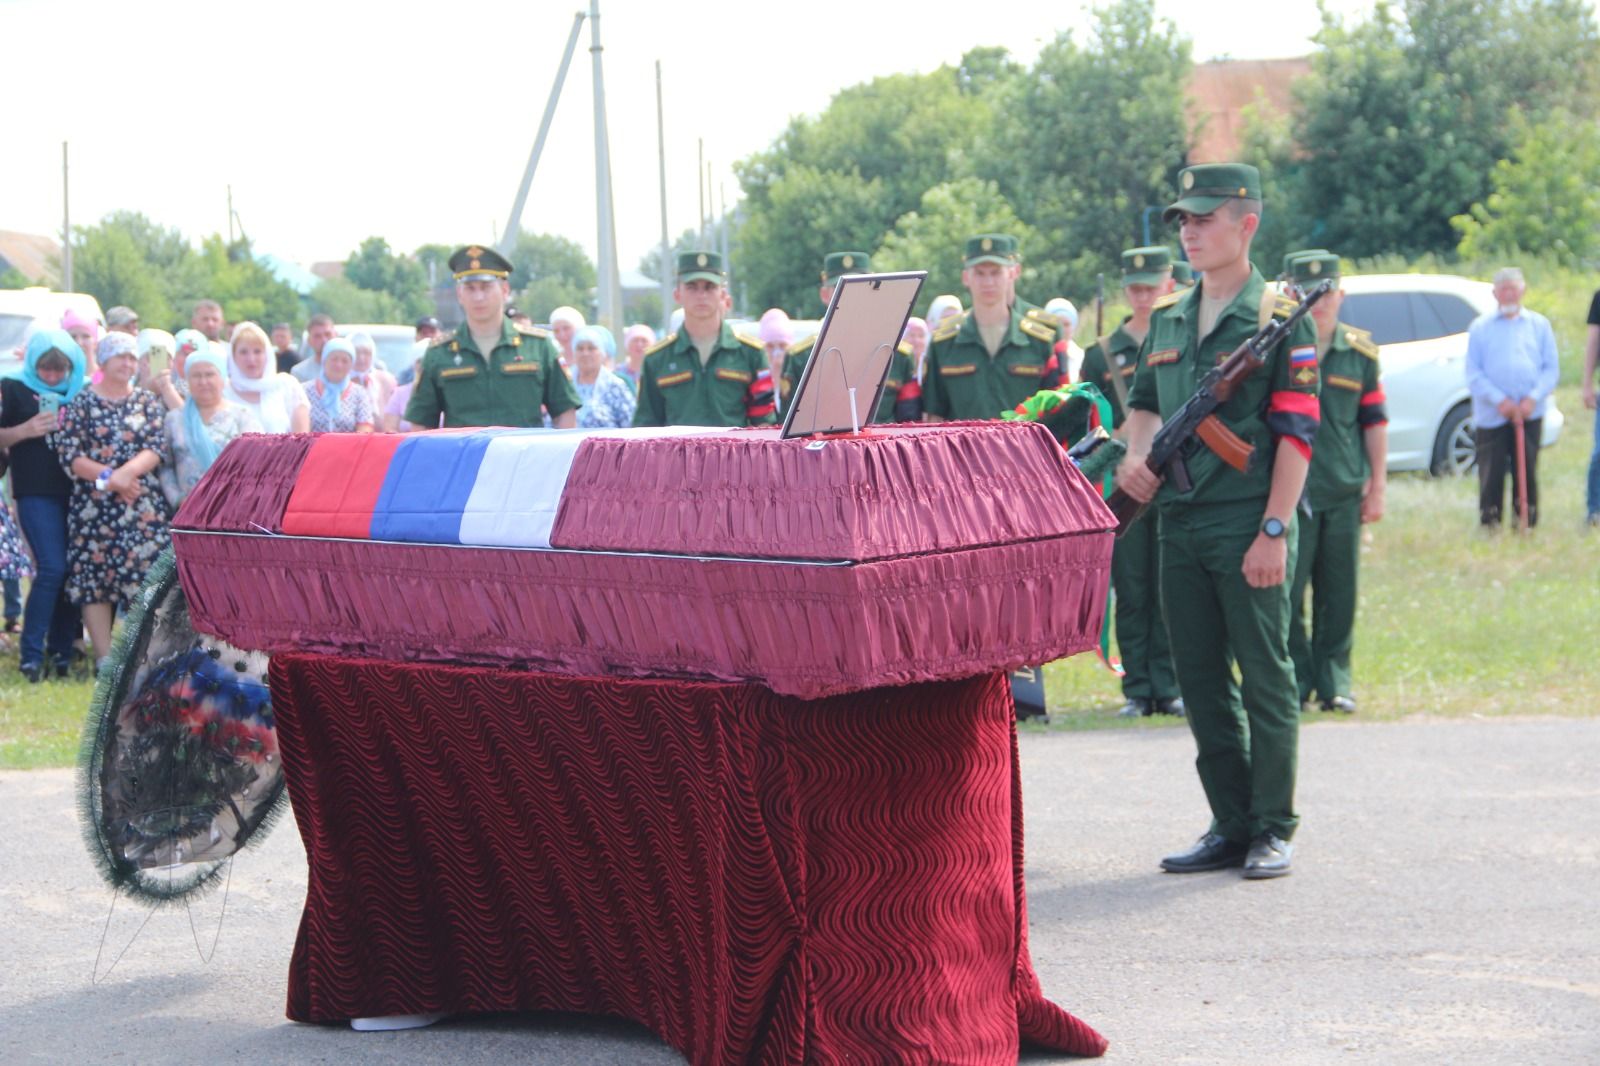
x=754 y=877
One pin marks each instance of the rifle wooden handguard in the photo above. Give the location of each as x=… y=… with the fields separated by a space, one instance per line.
x=1229 y=446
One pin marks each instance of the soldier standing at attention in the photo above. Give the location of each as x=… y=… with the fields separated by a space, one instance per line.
x=1148 y=682
x=1228 y=544
x=1344 y=490
x=490 y=372
x=902 y=395
x=998 y=354
x=705 y=374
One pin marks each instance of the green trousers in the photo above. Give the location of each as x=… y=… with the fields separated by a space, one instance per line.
x=1246 y=729
x=1330 y=549
x=1147 y=672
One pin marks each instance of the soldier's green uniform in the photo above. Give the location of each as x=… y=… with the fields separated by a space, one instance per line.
x=961 y=380
x=1246 y=733
x=502 y=387
x=1330 y=540
x=1148 y=678
x=733 y=387
x=902 y=395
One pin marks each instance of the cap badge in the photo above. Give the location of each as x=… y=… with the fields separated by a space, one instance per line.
x=475 y=251
x=1138 y=261
x=1243 y=192
x=849 y=261
x=701 y=260
x=476 y=264
x=1188 y=180
x=988 y=244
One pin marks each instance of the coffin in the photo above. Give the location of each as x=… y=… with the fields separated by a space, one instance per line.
x=814 y=568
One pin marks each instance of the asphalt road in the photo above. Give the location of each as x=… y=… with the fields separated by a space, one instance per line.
x=1445 y=907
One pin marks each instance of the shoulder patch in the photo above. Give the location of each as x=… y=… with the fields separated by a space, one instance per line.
x=949 y=327
x=1037 y=330
x=1360 y=340
x=532 y=331
x=801 y=345
x=1168 y=300
x=751 y=341
x=664 y=342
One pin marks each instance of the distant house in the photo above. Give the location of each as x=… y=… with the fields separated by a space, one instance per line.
x=1219 y=92
x=297 y=277
x=35 y=257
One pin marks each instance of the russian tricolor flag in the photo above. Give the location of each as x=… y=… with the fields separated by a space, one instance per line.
x=487 y=487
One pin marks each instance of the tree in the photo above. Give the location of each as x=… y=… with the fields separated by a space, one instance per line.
x=376 y=268
x=1544 y=200
x=1407 y=112
x=12 y=278
x=247 y=291
x=127 y=259
x=1090 y=139
x=932 y=237
x=348 y=302
x=551 y=272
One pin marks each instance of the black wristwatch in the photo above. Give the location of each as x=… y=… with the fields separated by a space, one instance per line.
x=1274 y=528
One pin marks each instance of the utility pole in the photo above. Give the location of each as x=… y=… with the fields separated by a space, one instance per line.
x=67 y=284
x=230 y=216
x=667 y=265
x=610 y=287
x=727 y=264
x=514 y=224
x=701 y=166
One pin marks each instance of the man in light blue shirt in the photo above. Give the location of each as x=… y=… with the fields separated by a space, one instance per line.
x=1512 y=369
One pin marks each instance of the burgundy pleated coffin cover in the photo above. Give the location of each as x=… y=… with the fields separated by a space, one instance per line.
x=908 y=554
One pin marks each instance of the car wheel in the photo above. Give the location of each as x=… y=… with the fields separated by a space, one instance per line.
x=1455 y=451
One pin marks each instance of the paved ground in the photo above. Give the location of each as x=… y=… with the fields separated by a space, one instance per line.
x=1445 y=908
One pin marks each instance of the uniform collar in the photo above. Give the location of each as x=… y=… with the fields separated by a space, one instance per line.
x=726 y=338
x=464 y=339
x=1014 y=335
x=1247 y=302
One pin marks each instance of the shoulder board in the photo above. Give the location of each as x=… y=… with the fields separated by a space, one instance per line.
x=441 y=341
x=751 y=341
x=1104 y=343
x=949 y=327
x=904 y=349
x=1037 y=330
x=1360 y=340
x=1042 y=315
x=801 y=345
x=664 y=342
x=1283 y=307
x=1168 y=300
x=532 y=331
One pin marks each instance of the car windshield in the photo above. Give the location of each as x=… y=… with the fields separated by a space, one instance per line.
x=395 y=352
x=13 y=331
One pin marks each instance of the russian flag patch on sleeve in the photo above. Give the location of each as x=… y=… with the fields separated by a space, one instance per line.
x=1305 y=355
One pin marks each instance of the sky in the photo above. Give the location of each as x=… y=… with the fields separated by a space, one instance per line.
x=333 y=122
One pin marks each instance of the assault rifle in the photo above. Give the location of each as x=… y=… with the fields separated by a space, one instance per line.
x=1197 y=417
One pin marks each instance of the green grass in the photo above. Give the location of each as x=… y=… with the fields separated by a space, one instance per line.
x=1452 y=622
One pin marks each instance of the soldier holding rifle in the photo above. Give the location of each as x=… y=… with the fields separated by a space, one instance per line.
x=1227 y=534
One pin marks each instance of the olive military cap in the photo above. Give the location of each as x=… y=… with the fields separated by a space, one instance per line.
x=837 y=264
x=476 y=261
x=1308 y=268
x=701 y=266
x=1290 y=257
x=1146 y=266
x=999 y=248
x=1204 y=188
x=1182 y=273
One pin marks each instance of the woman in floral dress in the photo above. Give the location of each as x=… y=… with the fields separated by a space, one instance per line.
x=111 y=441
x=338 y=404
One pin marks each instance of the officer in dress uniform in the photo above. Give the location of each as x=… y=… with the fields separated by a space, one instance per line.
x=1149 y=683
x=902 y=395
x=1228 y=544
x=490 y=371
x=999 y=353
x=705 y=374
x=1344 y=490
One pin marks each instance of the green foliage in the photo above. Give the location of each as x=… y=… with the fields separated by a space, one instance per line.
x=247 y=291
x=1407 y=112
x=434 y=259
x=551 y=272
x=931 y=238
x=348 y=302
x=1544 y=198
x=378 y=269
x=1092 y=137
x=12 y=278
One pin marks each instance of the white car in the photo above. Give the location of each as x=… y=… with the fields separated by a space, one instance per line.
x=24 y=312
x=1420 y=323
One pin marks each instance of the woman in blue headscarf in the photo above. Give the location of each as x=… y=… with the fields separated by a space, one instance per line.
x=52 y=376
x=339 y=405
x=608 y=401
x=199 y=430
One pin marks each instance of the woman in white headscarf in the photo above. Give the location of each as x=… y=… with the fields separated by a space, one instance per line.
x=565 y=322
x=366 y=373
x=278 y=401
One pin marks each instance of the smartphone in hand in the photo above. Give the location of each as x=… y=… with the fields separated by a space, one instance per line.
x=49 y=403
x=160 y=359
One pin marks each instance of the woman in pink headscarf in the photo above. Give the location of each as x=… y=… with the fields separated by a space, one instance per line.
x=86 y=332
x=776 y=333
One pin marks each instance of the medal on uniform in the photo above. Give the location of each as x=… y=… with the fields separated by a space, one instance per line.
x=458 y=359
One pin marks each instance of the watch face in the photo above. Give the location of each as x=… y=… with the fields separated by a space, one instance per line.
x=1272 y=527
